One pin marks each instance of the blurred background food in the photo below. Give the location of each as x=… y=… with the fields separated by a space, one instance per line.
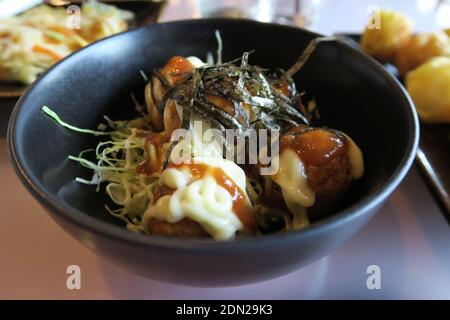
x=420 y=48
x=34 y=40
x=422 y=59
x=429 y=87
x=386 y=33
x=44 y=33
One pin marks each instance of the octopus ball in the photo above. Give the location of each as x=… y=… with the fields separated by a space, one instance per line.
x=421 y=48
x=385 y=33
x=429 y=87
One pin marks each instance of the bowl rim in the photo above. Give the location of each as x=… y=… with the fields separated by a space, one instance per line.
x=119 y=233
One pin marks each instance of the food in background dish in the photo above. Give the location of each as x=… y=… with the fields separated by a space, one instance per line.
x=394 y=30
x=429 y=87
x=422 y=59
x=31 y=42
x=211 y=195
x=421 y=48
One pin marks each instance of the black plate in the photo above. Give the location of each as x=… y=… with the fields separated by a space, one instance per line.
x=352 y=91
x=433 y=155
x=145 y=11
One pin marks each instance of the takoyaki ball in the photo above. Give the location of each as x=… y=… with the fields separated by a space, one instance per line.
x=421 y=48
x=429 y=87
x=330 y=162
x=185 y=228
x=170 y=74
x=385 y=33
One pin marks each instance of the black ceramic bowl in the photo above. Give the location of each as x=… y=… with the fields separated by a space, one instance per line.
x=354 y=93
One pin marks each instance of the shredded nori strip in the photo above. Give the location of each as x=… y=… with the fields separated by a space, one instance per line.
x=241 y=84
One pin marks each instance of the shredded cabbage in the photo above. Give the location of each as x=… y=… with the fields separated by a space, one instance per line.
x=116 y=162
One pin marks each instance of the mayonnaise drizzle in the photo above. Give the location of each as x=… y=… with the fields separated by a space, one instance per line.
x=292 y=179
x=202 y=200
x=355 y=157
